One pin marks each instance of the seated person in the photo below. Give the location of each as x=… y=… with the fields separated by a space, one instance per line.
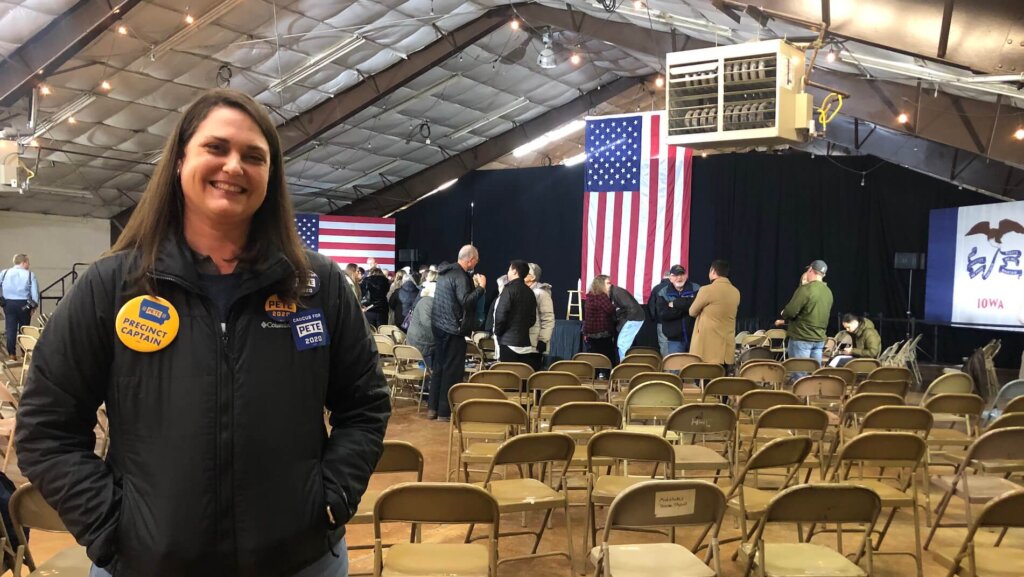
x=866 y=341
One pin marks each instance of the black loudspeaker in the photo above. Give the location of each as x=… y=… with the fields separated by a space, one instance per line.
x=409 y=255
x=909 y=261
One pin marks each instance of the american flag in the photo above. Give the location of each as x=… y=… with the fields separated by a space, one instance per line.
x=348 y=239
x=636 y=211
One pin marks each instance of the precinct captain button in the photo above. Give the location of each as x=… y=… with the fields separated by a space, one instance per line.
x=278 y=309
x=147 y=324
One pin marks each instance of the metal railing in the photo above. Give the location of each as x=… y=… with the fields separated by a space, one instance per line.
x=62 y=285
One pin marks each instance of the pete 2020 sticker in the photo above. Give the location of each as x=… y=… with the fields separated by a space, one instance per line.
x=309 y=329
x=278 y=309
x=147 y=324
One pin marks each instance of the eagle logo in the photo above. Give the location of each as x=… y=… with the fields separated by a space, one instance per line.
x=995 y=235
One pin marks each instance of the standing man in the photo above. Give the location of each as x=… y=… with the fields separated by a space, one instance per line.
x=714 y=336
x=20 y=291
x=540 y=332
x=455 y=297
x=629 y=317
x=652 y=308
x=352 y=269
x=515 y=312
x=807 y=313
x=672 y=303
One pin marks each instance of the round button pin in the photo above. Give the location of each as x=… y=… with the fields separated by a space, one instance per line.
x=278 y=309
x=147 y=323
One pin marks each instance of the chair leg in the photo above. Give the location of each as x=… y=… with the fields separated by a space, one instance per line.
x=939 y=511
x=540 y=533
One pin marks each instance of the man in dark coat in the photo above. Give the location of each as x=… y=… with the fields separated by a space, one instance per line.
x=673 y=304
x=515 y=311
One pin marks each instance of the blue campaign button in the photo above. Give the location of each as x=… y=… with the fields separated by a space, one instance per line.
x=309 y=329
x=310 y=285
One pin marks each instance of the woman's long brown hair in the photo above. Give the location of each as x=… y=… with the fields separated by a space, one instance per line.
x=160 y=212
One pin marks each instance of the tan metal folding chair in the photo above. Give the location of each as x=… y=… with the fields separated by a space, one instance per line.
x=29 y=510
x=513 y=384
x=622 y=374
x=662 y=377
x=530 y=494
x=954 y=382
x=408 y=370
x=727 y=390
x=699 y=427
x=619 y=447
x=975 y=481
x=892 y=374
x=522 y=369
x=653 y=402
x=436 y=503
x=800 y=366
x=752 y=404
x=662 y=504
x=504 y=413
x=651 y=360
x=848 y=376
x=458 y=394
x=678 y=361
x=888 y=464
x=898 y=388
x=544 y=380
x=862 y=367
x=551 y=399
x=639 y=350
x=823 y=391
x=696 y=376
x=766 y=374
x=788 y=420
x=839 y=504
x=975 y=558
x=583 y=370
x=857 y=406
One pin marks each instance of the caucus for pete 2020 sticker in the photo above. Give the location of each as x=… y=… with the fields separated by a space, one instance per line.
x=278 y=309
x=147 y=323
x=309 y=329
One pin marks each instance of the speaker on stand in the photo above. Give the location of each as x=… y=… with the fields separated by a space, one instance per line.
x=909 y=261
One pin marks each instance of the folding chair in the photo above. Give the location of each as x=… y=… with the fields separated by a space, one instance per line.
x=7 y=424
x=398 y=457
x=652 y=401
x=651 y=360
x=581 y=421
x=750 y=502
x=622 y=374
x=856 y=407
x=752 y=404
x=754 y=353
x=994 y=453
x=458 y=394
x=955 y=382
x=770 y=374
x=1003 y=512
x=1015 y=406
x=32 y=331
x=620 y=397
x=822 y=391
x=892 y=374
x=29 y=510
x=583 y=370
x=643 y=351
x=478 y=411
x=698 y=427
x=662 y=504
x=839 y=504
x=621 y=446
x=475 y=360
x=954 y=409
x=898 y=388
x=408 y=370
x=848 y=376
x=677 y=361
x=862 y=367
x=529 y=494
x=727 y=390
x=488 y=348
x=508 y=381
x=602 y=364
x=386 y=355
x=893 y=459
x=551 y=399
x=436 y=503
x=1007 y=393
x=523 y=370
x=800 y=366
x=777 y=342
x=698 y=375
x=544 y=380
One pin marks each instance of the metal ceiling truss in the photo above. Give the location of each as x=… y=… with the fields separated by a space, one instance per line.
x=316 y=121
x=48 y=49
x=408 y=190
x=985 y=36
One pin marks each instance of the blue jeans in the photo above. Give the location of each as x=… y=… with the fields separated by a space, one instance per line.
x=327 y=566
x=805 y=349
x=662 y=342
x=627 y=335
x=673 y=347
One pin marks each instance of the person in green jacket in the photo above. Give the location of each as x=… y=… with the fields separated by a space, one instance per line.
x=867 y=343
x=807 y=314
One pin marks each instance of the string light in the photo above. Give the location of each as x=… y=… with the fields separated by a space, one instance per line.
x=1019 y=134
x=44 y=90
x=105 y=85
x=831 y=56
x=862 y=175
x=122 y=30
x=575 y=58
x=514 y=24
x=703 y=155
x=188 y=16
x=902 y=118
x=659 y=82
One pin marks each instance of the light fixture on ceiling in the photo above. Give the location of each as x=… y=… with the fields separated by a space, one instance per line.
x=71 y=120
x=188 y=17
x=549 y=137
x=574 y=160
x=638 y=5
x=659 y=81
x=105 y=85
x=1019 y=134
x=197 y=24
x=831 y=56
x=44 y=90
x=315 y=63
x=61 y=115
x=518 y=103
x=122 y=30
x=902 y=118
x=575 y=59
x=546 y=58
x=514 y=24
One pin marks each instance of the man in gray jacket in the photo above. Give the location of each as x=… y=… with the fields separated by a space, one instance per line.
x=540 y=332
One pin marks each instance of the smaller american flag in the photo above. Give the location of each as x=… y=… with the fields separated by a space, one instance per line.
x=348 y=239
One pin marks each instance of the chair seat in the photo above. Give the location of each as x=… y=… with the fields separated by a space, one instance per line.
x=890 y=496
x=480 y=452
x=699 y=457
x=652 y=430
x=981 y=488
x=941 y=437
x=413 y=374
x=364 y=514
x=515 y=495
x=807 y=559
x=990 y=561
x=662 y=559
x=608 y=487
x=579 y=458
x=485 y=430
x=756 y=501
x=71 y=561
x=407 y=559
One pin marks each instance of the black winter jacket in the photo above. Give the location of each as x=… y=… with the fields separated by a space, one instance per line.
x=675 y=321
x=408 y=293
x=219 y=463
x=375 y=293
x=455 y=301
x=515 y=312
x=626 y=307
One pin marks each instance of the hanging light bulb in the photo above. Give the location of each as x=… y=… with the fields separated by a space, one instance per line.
x=105 y=85
x=44 y=90
x=1019 y=134
x=188 y=16
x=638 y=5
x=659 y=81
x=71 y=120
x=862 y=178
x=575 y=59
x=122 y=30
x=902 y=118
x=704 y=155
x=514 y=24
x=831 y=56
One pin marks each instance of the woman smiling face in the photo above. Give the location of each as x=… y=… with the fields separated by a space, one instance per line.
x=225 y=168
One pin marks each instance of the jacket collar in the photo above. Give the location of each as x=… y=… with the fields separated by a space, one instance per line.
x=176 y=262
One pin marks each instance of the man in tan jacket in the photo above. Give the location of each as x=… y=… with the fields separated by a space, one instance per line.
x=714 y=336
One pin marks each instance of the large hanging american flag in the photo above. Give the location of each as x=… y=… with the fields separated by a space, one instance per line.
x=636 y=208
x=348 y=239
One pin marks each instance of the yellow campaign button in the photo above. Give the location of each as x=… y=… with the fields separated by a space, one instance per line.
x=278 y=309
x=147 y=324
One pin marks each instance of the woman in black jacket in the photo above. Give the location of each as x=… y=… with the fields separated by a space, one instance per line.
x=215 y=342
x=375 y=297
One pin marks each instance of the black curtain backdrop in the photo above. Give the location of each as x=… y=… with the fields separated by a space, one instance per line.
x=769 y=215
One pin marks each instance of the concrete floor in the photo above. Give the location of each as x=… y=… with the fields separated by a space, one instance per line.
x=431 y=438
